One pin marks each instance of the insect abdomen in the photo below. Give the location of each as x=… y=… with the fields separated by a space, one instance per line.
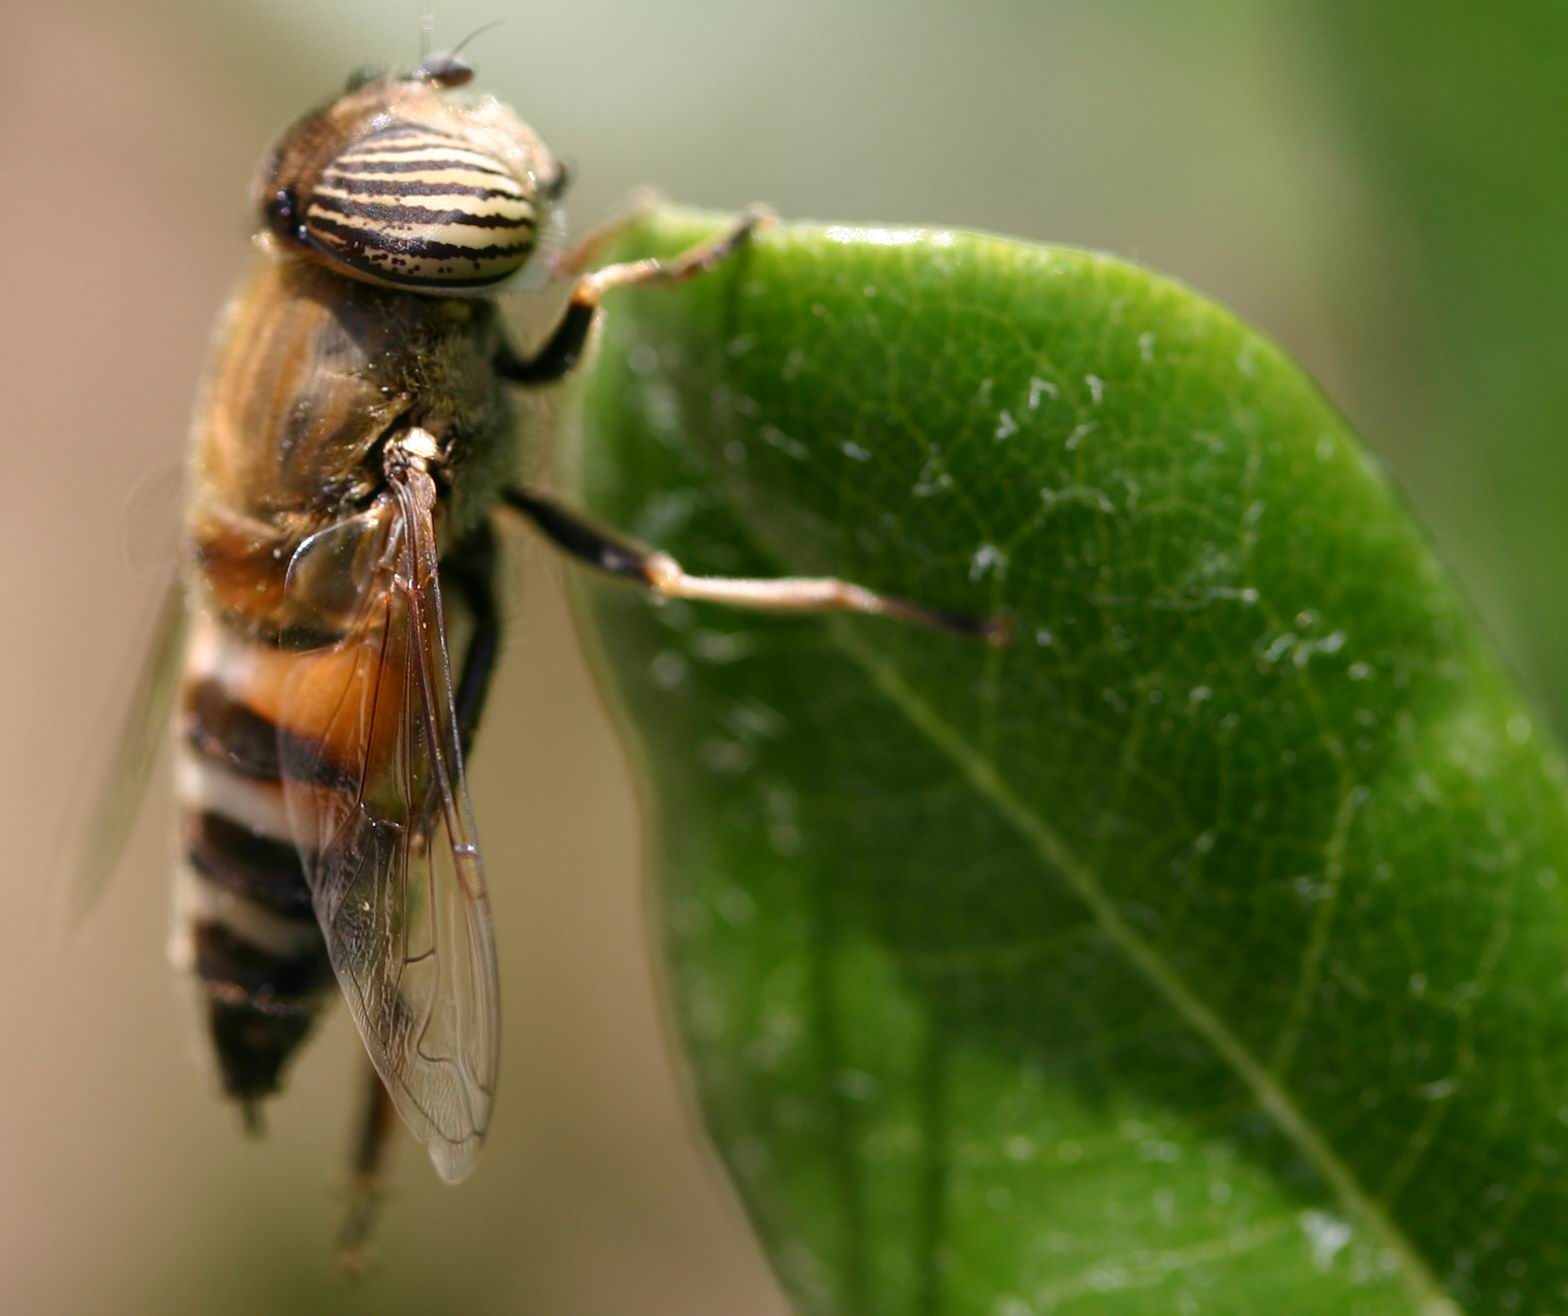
x=419 y=208
x=244 y=921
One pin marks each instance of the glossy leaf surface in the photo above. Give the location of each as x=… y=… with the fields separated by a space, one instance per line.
x=1203 y=951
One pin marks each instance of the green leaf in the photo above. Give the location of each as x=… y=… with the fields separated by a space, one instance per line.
x=1203 y=951
x=1463 y=125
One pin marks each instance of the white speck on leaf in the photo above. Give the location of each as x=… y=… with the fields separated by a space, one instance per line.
x=1039 y=388
x=1106 y=1278
x=886 y=237
x=643 y=360
x=1006 y=426
x=1301 y=649
x=727 y=757
x=1146 y=347
x=854 y=451
x=1019 y=1148
x=752 y=720
x=776 y=438
x=668 y=669
x=1079 y=434
x=667 y=513
x=720 y=646
x=987 y=558
x=1327 y=1236
x=1279 y=647
x=1096 y=388
x=1310 y=891
x=932 y=478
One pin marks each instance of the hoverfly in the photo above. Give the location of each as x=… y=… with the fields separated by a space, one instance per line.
x=353 y=446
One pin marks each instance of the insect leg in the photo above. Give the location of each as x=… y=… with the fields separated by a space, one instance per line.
x=562 y=350
x=607 y=232
x=470 y=574
x=366 y=1171
x=675 y=269
x=663 y=575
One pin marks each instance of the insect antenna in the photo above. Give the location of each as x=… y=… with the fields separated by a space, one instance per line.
x=482 y=28
x=447 y=67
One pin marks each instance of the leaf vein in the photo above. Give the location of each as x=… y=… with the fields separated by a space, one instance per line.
x=1048 y=844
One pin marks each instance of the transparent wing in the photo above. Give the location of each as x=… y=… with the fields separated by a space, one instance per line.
x=373 y=780
x=96 y=834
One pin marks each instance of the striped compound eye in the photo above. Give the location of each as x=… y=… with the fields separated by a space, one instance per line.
x=421 y=208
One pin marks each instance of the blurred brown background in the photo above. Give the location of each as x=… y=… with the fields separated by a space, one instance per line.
x=1301 y=163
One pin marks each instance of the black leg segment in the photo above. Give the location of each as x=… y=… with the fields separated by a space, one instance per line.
x=663 y=575
x=470 y=574
x=560 y=353
x=367 y=1170
x=564 y=348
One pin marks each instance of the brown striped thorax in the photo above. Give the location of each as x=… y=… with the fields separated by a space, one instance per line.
x=407 y=182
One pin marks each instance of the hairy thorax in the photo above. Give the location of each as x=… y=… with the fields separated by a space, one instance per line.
x=312 y=372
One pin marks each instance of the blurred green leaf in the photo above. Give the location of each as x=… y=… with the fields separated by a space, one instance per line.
x=1461 y=115
x=1202 y=951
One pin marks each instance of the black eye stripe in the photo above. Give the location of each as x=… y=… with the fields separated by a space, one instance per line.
x=391 y=213
x=413 y=187
x=359 y=164
x=361 y=246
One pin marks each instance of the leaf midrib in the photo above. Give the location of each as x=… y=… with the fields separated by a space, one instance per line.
x=1430 y=1297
